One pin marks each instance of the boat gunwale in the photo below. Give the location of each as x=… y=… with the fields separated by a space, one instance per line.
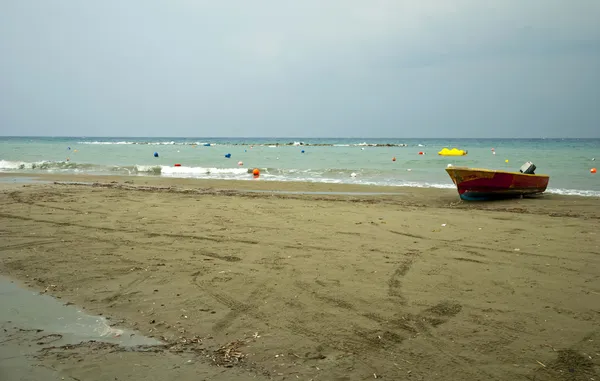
x=493 y=171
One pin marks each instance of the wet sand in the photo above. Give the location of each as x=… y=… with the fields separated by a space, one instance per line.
x=415 y=285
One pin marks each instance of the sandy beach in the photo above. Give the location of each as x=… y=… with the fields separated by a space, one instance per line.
x=410 y=284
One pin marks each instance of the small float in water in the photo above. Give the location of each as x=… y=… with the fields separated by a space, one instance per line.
x=475 y=184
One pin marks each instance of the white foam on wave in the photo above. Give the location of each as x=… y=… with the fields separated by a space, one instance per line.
x=350 y=180
x=169 y=143
x=5 y=164
x=46 y=166
x=575 y=192
x=413 y=184
x=201 y=172
x=106 y=143
x=146 y=168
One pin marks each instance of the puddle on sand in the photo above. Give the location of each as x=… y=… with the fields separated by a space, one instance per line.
x=21 y=180
x=28 y=318
x=26 y=309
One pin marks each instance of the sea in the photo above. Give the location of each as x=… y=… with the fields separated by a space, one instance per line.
x=390 y=162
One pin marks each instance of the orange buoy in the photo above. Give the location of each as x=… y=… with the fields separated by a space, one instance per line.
x=421 y=153
x=256 y=173
x=593 y=170
x=178 y=165
x=394 y=158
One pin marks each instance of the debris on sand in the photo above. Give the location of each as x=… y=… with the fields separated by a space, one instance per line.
x=185 y=345
x=229 y=354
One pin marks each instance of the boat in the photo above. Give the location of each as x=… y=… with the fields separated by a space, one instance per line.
x=452 y=152
x=475 y=184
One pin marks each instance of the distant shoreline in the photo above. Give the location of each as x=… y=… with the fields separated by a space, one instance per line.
x=286 y=138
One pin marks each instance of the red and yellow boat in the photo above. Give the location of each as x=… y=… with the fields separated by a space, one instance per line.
x=485 y=184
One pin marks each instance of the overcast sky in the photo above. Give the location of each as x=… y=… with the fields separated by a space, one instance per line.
x=302 y=68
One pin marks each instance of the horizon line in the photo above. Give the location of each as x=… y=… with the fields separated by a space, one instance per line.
x=286 y=137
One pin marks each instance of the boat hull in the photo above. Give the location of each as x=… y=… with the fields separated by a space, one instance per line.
x=483 y=184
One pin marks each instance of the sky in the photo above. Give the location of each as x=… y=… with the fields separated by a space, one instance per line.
x=303 y=68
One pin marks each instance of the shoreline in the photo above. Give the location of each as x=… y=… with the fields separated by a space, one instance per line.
x=283 y=185
x=316 y=286
x=211 y=183
x=403 y=197
x=251 y=185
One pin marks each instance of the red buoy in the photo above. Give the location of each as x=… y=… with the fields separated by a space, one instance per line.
x=593 y=170
x=421 y=153
x=178 y=165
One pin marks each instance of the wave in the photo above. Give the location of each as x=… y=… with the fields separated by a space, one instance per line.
x=170 y=143
x=574 y=192
x=270 y=145
x=43 y=165
x=107 y=143
x=201 y=172
x=145 y=169
x=70 y=166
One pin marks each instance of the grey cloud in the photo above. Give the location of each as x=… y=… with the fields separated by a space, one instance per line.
x=300 y=68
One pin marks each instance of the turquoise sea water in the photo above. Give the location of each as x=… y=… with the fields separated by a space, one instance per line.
x=567 y=161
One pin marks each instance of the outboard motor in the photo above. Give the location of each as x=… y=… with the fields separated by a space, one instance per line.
x=528 y=168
